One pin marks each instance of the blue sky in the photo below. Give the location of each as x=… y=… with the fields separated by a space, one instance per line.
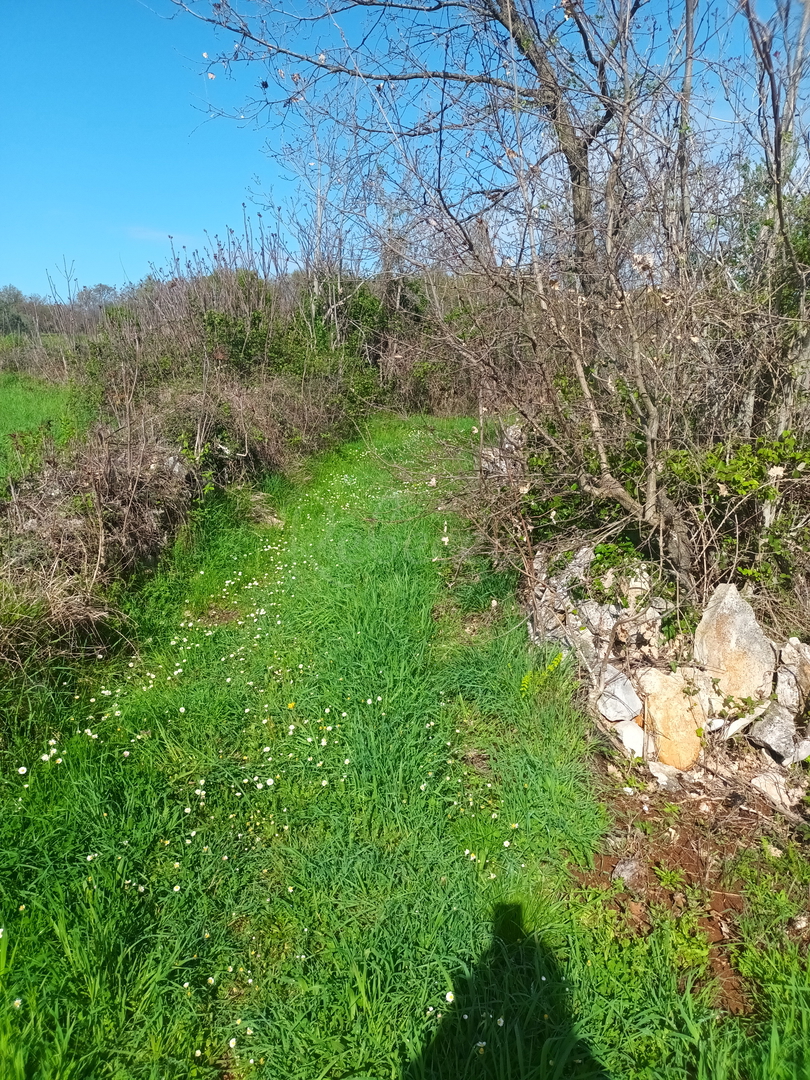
x=106 y=147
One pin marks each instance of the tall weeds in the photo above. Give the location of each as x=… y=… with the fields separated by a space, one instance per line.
x=199 y=378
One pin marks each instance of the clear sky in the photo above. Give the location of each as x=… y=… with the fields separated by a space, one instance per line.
x=106 y=145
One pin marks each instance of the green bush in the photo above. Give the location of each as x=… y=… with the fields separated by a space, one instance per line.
x=239 y=341
x=753 y=497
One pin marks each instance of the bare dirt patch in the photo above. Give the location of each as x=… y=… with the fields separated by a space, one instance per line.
x=221 y=616
x=676 y=852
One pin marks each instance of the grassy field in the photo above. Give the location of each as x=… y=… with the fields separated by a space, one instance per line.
x=321 y=824
x=29 y=410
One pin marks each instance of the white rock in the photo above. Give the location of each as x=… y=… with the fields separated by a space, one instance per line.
x=740 y=724
x=795 y=656
x=632 y=737
x=730 y=728
x=557 y=600
x=545 y=620
x=773 y=786
x=648 y=617
x=638 y=587
x=576 y=570
x=800 y=753
x=667 y=776
x=493 y=461
x=582 y=642
x=598 y=618
x=618 y=700
x=732 y=647
x=711 y=700
x=776 y=731
x=788 y=693
x=631 y=872
x=513 y=439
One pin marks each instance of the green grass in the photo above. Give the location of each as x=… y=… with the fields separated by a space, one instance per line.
x=397 y=902
x=31 y=409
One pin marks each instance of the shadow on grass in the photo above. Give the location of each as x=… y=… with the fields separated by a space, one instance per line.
x=510 y=1018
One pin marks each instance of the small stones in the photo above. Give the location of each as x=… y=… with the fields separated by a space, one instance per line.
x=656 y=701
x=631 y=871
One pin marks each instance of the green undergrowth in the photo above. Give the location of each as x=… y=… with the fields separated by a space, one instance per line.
x=321 y=823
x=31 y=412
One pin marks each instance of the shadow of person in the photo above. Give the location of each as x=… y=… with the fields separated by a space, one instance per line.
x=509 y=1019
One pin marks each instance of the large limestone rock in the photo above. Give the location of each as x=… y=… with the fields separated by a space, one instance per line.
x=732 y=647
x=674 y=714
x=711 y=700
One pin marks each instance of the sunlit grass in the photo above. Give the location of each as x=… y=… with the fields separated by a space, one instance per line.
x=27 y=407
x=309 y=830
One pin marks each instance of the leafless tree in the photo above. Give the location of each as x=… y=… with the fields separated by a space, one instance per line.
x=569 y=183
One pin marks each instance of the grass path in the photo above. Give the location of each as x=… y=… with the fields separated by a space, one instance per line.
x=314 y=829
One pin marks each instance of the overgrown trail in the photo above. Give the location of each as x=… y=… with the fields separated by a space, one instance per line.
x=319 y=825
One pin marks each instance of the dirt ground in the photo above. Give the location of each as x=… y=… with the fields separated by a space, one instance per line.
x=677 y=850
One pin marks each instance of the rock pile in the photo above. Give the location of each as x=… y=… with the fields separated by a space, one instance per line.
x=658 y=707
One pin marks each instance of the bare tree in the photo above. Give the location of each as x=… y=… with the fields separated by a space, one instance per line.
x=549 y=84
x=575 y=210
x=779 y=72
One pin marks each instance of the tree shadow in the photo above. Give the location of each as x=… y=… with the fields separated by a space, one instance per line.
x=510 y=1018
